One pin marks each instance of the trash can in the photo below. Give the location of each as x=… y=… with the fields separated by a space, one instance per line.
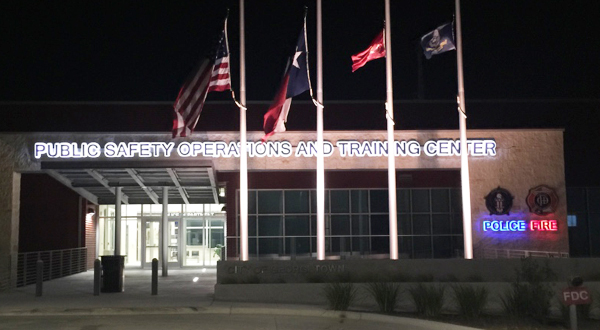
x=112 y=273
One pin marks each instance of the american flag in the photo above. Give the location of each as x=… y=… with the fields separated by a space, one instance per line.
x=212 y=75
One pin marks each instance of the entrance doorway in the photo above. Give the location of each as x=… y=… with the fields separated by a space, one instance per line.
x=152 y=241
x=203 y=239
x=195 y=232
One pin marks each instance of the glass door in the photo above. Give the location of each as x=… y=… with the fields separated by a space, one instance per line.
x=152 y=239
x=195 y=242
x=173 y=243
x=215 y=236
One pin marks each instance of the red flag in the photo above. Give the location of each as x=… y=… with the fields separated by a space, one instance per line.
x=376 y=50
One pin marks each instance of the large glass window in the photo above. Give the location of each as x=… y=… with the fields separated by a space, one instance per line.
x=282 y=223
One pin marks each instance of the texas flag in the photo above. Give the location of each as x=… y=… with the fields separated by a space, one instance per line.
x=295 y=82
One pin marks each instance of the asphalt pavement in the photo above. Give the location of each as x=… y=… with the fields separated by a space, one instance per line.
x=185 y=299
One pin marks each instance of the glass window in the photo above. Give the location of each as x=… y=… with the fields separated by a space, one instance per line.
x=107 y=210
x=251 y=202
x=361 y=245
x=380 y=245
x=380 y=224
x=174 y=208
x=296 y=201
x=442 y=247
x=301 y=245
x=379 y=201
x=297 y=225
x=270 y=202
x=339 y=201
x=131 y=210
x=270 y=246
x=340 y=244
x=194 y=208
x=194 y=236
x=360 y=225
x=420 y=200
x=442 y=224
x=404 y=224
x=360 y=201
x=421 y=224
x=422 y=247
x=455 y=200
x=405 y=247
x=403 y=200
x=269 y=226
x=440 y=200
x=340 y=225
x=251 y=226
x=195 y=223
x=457 y=224
x=153 y=209
x=458 y=247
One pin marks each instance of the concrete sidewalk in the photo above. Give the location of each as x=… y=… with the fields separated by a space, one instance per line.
x=182 y=292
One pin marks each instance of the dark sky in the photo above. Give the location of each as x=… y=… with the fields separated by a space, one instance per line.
x=143 y=50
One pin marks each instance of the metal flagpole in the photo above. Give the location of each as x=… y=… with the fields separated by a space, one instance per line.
x=320 y=160
x=243 y=153
x=389 y=108
x=464 y=160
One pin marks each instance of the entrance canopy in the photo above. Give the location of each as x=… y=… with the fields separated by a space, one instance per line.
x=141 y=181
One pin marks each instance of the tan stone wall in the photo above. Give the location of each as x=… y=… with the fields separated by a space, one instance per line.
x=524 y=159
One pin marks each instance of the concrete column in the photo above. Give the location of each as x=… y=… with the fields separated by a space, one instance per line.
x=10 y=193
x=118 y=221
x=165 y=232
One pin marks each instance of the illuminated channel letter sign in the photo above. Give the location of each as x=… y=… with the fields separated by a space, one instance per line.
x=519 y=225
x=218 y=149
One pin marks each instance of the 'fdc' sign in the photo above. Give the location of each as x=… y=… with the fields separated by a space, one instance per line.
x=576 y=296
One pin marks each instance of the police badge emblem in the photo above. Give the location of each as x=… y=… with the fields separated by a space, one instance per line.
x=499 y=201
x=542 y=200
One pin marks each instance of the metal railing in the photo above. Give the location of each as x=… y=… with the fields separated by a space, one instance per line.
x=57 y=263
x=508 y=254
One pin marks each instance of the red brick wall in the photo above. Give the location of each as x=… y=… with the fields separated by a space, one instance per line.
x=50 y=217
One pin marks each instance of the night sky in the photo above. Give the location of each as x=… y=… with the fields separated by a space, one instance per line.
x=143 y=50
x=527 y=64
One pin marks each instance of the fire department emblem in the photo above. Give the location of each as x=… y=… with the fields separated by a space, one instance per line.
x=499 y=201
x=542 y=200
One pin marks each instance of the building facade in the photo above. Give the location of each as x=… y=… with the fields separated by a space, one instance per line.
x=517 y=182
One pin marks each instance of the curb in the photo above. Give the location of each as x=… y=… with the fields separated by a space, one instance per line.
x=291 y=310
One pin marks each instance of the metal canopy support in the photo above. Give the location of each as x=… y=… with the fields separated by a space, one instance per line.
x=136 y=177
x=181 y=190
x=213 y=184
x=118 y=222
x=164 y=230
x=82 y=192
x=104 y=182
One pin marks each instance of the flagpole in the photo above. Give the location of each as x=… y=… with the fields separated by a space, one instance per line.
x=320 y=159
x=243 y=153
x=464 y=160
x=389 y=106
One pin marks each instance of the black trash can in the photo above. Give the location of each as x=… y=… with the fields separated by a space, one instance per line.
x=112 y=273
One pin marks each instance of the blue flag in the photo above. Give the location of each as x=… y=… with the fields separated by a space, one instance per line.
x=438 y=41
